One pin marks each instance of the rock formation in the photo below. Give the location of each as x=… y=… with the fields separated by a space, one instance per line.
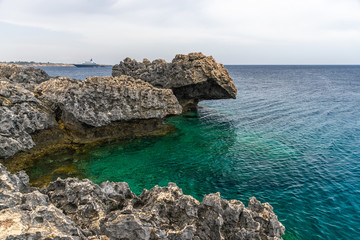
x=193 y=77
x=75 y=111
x=26 y=77
x=98 y=101
x=21 y=114
x=80 y=209
x=26 y=213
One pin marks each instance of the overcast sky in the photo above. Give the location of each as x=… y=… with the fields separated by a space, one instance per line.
x=232 y=31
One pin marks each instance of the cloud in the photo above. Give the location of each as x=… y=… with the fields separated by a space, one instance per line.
x=234 y=30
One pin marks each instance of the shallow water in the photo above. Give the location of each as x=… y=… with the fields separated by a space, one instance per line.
x=291 y=138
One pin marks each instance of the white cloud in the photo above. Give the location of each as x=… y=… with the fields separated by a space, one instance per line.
x=234 y=31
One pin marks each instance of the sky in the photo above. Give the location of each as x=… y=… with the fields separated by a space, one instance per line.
x=232 y=31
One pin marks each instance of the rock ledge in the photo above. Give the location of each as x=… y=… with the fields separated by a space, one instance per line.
x=193 y=77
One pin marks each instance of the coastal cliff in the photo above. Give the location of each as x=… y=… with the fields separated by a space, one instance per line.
x=193 y=77
x=79 y=209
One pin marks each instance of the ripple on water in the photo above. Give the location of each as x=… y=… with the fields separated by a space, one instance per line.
x=291 y=138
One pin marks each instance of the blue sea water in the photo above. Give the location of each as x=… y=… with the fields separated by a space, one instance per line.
x=291 y=138
x=78 y=73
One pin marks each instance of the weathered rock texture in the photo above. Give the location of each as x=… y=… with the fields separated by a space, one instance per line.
x=193 y=77
x=26 y=77
x=80 y=209
x=21 y=114
x=98 y=101
x=26 y=213
x=62 y=111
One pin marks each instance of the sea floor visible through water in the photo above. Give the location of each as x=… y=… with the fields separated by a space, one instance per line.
x=291 y=138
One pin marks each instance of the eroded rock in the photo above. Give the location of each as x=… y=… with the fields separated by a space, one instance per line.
x=87 y=203
x=25 y=213
x=193 y=77
x=21 y=114
x=28 y=78
x=98 y=101
x=80 y=209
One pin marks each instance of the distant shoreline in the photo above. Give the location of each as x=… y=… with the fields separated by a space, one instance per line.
x=34 y=64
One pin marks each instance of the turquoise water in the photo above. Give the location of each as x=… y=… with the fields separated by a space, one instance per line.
x=291 y=138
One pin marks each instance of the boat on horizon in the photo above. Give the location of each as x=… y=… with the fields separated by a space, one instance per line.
x=90 y=63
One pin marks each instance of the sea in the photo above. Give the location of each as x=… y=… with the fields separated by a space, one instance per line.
x=291 y=138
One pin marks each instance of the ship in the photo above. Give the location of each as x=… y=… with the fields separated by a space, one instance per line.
x=90 y=63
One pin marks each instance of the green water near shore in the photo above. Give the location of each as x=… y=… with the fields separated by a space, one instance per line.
x=203 y=155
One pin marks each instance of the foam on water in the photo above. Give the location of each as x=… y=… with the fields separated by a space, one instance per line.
x=291 y=138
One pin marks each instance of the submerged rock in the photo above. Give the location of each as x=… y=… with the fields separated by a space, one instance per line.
x=79 y=209
x=98 y=101
x=25 y=77
x=21 y=114
x=193 y=77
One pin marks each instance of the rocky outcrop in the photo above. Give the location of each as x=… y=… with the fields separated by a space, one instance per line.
x=193 y=77
x=21 y=114
x=25 y=77
x=80 y=209
x=54 y=113
x=98 y=101
x=26 y=213
x=62 y=112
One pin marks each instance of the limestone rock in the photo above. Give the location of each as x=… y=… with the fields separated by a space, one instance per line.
x=87 y=203
x=25 y=77
x=21 y=114
x=98 y=101
x=80 y=209
x=26 y=213
x=193 y=77
x=166 y=213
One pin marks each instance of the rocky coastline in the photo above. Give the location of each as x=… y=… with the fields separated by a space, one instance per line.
x=79 y=209
x=41 y=114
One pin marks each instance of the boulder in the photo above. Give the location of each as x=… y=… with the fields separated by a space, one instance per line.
x=28 y=78
x=193 y=77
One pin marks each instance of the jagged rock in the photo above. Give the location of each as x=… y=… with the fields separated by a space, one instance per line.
x=80 y=209
x=193 y=77
x=26 y=213
x=87 y=203
x=21 y=114
x=28 y=78
x=98 y=101
x=166 y=213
